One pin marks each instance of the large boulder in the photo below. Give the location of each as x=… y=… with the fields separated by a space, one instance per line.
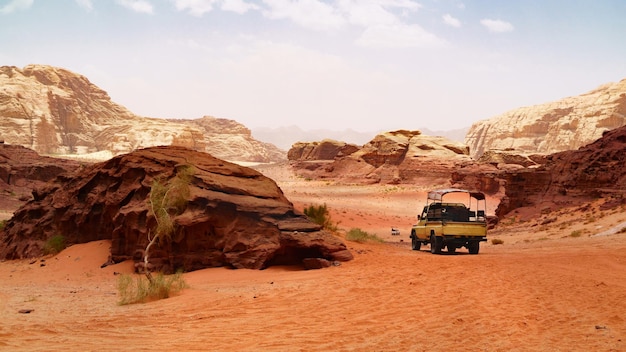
x=234 y=216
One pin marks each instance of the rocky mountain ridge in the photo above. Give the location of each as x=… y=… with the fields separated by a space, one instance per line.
x=54 y=111
x=566 y=124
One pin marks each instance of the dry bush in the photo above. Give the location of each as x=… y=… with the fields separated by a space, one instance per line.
x=54 y=244
x=358 y=235
x=142 y=290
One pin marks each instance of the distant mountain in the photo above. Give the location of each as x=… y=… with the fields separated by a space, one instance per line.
x=566 y=124
x=286 y=137
x=54 y=111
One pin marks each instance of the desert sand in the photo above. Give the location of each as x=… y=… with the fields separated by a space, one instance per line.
x=551 y=286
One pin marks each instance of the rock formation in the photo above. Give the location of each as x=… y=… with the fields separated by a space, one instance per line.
x=55 y=111
x=22 y=170
x=548 y=128
x=573 y=177
x=234 y=216
x=568 y=178
x=325 y=150
x=392 y=157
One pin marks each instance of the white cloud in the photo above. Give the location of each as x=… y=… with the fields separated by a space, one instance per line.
x=365 y=14
x=497 y=26
x=312 y=14
x=238 y=6
x=399 y=36
x=86 y=4
x=451 y=21
x=142 y=6
x=195 y=7
x=15 y=5
x=368 y=13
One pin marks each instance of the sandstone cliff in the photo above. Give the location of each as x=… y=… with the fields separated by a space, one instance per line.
x=54 y=111
x=566 y=124
x=325 y=150
x=392 y=157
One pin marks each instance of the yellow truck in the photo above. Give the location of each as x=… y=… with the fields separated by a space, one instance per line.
x=458 y=221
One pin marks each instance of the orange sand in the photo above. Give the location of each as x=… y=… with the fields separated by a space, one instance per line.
x=544 y=289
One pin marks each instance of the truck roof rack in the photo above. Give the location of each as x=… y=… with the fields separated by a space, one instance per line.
x=438 y=194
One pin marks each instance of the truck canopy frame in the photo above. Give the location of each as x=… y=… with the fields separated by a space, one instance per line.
x=437 y=195
x=476 y=203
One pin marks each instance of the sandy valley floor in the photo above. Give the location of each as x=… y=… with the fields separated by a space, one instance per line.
x=551 y=287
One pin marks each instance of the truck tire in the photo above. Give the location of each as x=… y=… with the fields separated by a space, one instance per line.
x=435 y=244
x=415 y=243
x=473 y=247
x=451 y=248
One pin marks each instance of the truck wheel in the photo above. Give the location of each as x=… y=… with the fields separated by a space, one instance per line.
x=415 y=243
x=473 y=247
x=451 y=249
x=435 y=244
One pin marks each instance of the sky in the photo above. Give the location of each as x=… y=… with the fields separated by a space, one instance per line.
x=365 y=65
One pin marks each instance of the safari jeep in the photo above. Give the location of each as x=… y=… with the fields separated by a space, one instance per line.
x=458 y=221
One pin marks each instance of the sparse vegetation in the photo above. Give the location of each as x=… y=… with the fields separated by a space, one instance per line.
x=165 y=200
x=576 y=233
x=358 y=235
x=622 y=230
x=497 y=241
x=320 y=215
x=54 y=244
x=3 y=223
x=142 y=290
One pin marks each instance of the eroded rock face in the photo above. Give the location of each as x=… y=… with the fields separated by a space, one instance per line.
x=325 y=150
x=235 y=216
x=54 y=111
x=548 y=128
x=392 y=157
x=22 y=169
x=570 y=177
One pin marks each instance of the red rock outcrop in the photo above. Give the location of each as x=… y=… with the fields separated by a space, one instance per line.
x=392 y=157
x=54 y=111
x=570 y=177
x=22 y=170
x=327 y=149
x=234 y=216
x=553 y=127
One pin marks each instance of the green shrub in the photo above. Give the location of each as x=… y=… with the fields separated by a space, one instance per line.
x=54 y=244
x=320 y=215
x=142 y=290
x=358 y=235
x=3 y=223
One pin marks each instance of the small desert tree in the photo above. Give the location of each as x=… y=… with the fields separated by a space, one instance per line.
x=166 y=199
